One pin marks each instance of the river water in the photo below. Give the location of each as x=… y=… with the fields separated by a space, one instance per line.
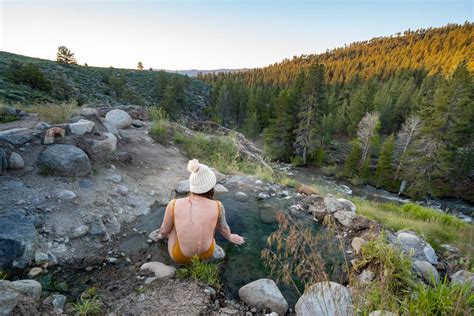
x=308 y=175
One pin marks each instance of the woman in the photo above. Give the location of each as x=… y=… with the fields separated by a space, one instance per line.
x=190 y=223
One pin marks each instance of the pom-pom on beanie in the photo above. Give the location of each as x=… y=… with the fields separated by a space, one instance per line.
x=202 y=179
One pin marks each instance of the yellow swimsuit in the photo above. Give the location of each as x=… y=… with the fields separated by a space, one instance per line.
x=178 y=255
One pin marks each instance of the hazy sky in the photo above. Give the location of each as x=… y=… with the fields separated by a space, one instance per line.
x=208 y=34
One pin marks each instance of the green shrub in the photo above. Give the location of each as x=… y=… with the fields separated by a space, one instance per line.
x=317 y=157
x=89 y=303
x=202 y=271
x=157 y=114
x=28 y=74
x=159 y=132
x=442 y=299
x=297 y=161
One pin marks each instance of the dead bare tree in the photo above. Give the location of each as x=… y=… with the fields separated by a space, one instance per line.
x=408 y=133
x=368 y=128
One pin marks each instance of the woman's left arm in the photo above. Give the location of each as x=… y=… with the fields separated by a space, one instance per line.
x=167 y=224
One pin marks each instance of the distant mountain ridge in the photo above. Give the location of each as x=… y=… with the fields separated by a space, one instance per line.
x=195 y=72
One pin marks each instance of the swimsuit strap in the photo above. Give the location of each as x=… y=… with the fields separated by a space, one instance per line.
x=173 y=203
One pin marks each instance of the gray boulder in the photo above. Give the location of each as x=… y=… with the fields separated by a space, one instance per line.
x=64 y=160
x=264 y=293
x=81 y=127
x=345 y=217
x=333 y=205
x=29 y=288
x=104 y=147
x=357 y=243
x=325 y=298
x=412 y=245
x=463 y=276
x=218 y=253
x=119 y=118
x=9 y=298
x=426 y=271
x=183 y=187
x=17 y=136
x=16 y=162
x=219 y=188
x=18 y=240
x=241 y=196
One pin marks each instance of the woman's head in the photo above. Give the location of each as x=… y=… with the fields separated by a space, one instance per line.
x=202 y=180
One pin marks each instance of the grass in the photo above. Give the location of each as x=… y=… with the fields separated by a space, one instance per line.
x=8 y=118
x=221 y=153
x=89 y=303
x=53 y=113
x=436 y=227
x=201 y=271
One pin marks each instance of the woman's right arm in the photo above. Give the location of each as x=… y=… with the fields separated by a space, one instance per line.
x=224 y=229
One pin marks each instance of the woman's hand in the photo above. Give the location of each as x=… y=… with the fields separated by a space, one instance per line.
x=155 y=235
x=236 y=239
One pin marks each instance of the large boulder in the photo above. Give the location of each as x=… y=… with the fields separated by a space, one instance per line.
x=9 y=298
x=119 y=118
x=325 y=298
x=426 y=271
x=463 y=276
x=17 y=136
x=105 y=147
x=81 y=127
x=412 y=245
x=16 y=162
x=22 y=292
x=18 y=239
x=29 y=288
x=333 y=205
x=264 y=293
x=345 y=218
x=64 y=160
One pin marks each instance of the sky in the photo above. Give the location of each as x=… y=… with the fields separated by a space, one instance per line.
x=177 y=35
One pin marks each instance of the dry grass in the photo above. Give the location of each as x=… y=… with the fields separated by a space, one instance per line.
x=53 y=113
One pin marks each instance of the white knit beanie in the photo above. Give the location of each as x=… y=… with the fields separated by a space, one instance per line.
x=202 y=179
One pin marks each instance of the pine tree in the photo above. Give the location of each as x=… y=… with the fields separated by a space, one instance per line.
x=140 y=65
x=383 y=171
x=352 y=161
x=313 y=103
x=65 y=56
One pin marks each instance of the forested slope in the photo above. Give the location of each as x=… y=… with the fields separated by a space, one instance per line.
x=405 y=102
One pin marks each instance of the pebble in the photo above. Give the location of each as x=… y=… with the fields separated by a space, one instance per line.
x=116 y=178
x=66 y=195
x=122 y=190
x=34 y=272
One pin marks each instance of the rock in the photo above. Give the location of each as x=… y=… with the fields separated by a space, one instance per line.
x=345 y=217
x=18 y=240
x=357 y=243
x=333 y=205
x=183 y=187
x=426 y=271
x=137 y=123
x=40 y=258
x=210 y=291
x=79 y=231
x=16 y=136
x=116 y=178
x=241 y=196
x=412 y=245
x=64 y=160
x=105 y=147
x=81 y=127
x=325 y=298
x=263 y=196
x=119 y=118
x=219 y=176
x=122 y=190
x=463 y=276
x=219 y=188
x=258 y=182
x=51 y=134
x=218 y=253
x=89 y=112
x=29 y=288
x=382 y=313
x=348 y=205
x=66 y=195
x=112 y=129
x=262 y=294
x=366 y=276
x=34 y=272
x=98 y=228
x=42 y=126
x=159 y=269
x=58 y=302
x=8 y=298
x=16 y=162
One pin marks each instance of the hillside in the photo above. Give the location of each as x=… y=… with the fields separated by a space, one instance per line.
x=364 y=99
x=98 y=86
x=436 y=50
